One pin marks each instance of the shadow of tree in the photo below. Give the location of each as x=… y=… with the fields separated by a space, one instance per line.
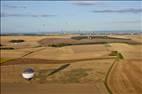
x=42 y=75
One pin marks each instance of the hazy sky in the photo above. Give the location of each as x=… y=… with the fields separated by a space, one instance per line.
x=51 y=16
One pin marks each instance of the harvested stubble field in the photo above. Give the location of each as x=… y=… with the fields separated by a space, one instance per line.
x=137 y=38
x=126 y=77
x=128 y=51
x=86 y=73
x=71 y=52
x=17 y=53
x=6 y=39
x=29 y=41
x=100 y=66
x=79 y=72
x=82 y=40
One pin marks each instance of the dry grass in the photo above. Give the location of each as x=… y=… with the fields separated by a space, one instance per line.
x=71 y=52
x=137 y=38
x=95 y=72
x=30 y=41
x=126 y=77
x=17 y=53
x=128 y=51
x=5 y=39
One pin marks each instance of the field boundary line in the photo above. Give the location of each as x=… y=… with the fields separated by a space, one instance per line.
x=21 y=56
x=57 y=61
x=108 y=74
x=32 y=52
x=8 y=60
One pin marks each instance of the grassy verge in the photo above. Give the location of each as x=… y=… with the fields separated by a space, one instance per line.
x=106 y=78
x=7 y=48
x=59 y=45
x=119 y=56
x=3 y=60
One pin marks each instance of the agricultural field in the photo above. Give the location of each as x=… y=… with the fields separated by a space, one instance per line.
x=2 y=60
x=71 y=52
x=125 y=78
x=89 y=68
x=82 y=40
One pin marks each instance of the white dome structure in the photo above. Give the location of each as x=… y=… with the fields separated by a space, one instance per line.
x=28 y=74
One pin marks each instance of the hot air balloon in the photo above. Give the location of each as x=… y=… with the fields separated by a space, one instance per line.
x=28 y=73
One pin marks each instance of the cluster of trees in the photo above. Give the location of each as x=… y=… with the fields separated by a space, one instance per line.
x=7 y=48
x=116 y=53
x=16 y=41
x=59 y=45
x=67 y=44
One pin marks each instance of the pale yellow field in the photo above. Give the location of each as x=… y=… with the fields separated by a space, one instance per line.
x=18 y=52
x=137 y=38
x=121 y=80
x=5 y=39
x=125 y=77
x=71 y=52
x=129 y=51
x=80 y=73
x=30 y=41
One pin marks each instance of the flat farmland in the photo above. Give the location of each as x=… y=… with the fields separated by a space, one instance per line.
x=5 y=39
x=81 y=69
x=78 y=73
x=71 y=52
x=94 y=73
x=126 y=77
x=29 y=41
x=84 y=40
x=128 y=51
x=17 y=53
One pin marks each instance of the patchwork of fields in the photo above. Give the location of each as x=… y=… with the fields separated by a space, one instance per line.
x=89 y=66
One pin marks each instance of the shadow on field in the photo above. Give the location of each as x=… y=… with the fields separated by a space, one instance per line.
x=43 y=74
x=56 y=76
x=58 y=69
